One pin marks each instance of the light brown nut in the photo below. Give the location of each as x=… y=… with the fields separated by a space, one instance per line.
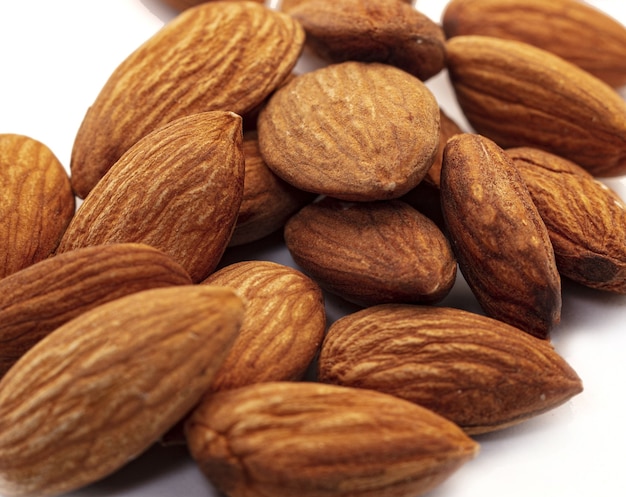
x=186 y=4
x=501 y=243
x=102 y=388
x=573 y=30
x=314 y=440
x=37 y=300
x=289 y=5
x=283 y=327
x=372 y=252
x=586 y=220
x=216 y=56
x=520 y=95
x=480 y=373
x=36 y=203
x=356 y=131
x=178 y=189
x=387 y=31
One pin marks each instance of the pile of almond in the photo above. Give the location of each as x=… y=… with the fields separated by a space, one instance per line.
x=123 y=323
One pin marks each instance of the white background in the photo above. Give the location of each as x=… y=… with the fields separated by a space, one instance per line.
x=54 y=58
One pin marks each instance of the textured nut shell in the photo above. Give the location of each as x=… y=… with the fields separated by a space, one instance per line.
x=102 y=388
x=372 y=252
x=178 y=189
x=314 y=440
x=571 y=29
x=387 y=31
x=480 y=373
x=586 y=220
x=186 y=4
x=353 y=130
x=216 y=56
x=37 y=300
x=520 y=95
x=36 y=203
x=501 y=243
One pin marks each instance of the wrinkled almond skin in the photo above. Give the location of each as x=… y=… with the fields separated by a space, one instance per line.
x=355 y=131
x=387 y=31
x=216 y=56
x=520 y=95
x=102 y=388
x=501 y=243
x=181 y=5
x=314 y=440
x=37 y=300
x=372 y=252
x=36 y=203
x=573 y=30
x=178 y=189
x=480 y=373
x=283 y=327
x=586 y=220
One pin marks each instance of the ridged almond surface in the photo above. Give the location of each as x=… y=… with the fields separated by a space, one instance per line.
x=178 y=189
x=102 y=388
x=354 y=130
x=36 y=203
x=216 y=56
x=283 y=326
x=314 y=440
x=520 y=95
x=372 y=252
x=571 y=29
x=480 y=373
x=37 y=300
x=586 y=220
x=186 y=4
x=502 y=245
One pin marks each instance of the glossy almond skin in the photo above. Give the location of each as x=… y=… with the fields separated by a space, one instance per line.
x=216 y=56
x=520 y=95
x=586 y=219
x=102 y=388
x=372 y=252
x=178 y=189
x=480 y=373
x=501 y=243
x=283 y=327
x=36 y=203
x=37 y=300
x=314 y=440
x=573 y=30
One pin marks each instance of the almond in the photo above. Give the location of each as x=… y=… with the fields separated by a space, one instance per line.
x=36 y=204
x=314 y=440
x=178 y=189
x=102 y=388
x=480 y=373
x=186 y=4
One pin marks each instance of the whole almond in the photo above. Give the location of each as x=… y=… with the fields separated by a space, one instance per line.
x=216 y=56
x=36 y=203
x=37 y=300
x=102 y=388
x=314 y=440
x=355 y=131
x=178 y=189
x=571 y=29
x=502 y=245
x=586 y=219
x=520 y=95
x=480 y=373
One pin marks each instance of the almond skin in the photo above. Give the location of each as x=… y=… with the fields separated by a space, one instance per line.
x=519 y=95
x=178 y=189
x=36 y=204
x=216 y=56
x=37 y=300
x=480 y=373
x=102 y=388
x=314 y=440
x=501 y=243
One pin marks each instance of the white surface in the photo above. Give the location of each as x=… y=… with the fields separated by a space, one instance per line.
x=55 y=57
